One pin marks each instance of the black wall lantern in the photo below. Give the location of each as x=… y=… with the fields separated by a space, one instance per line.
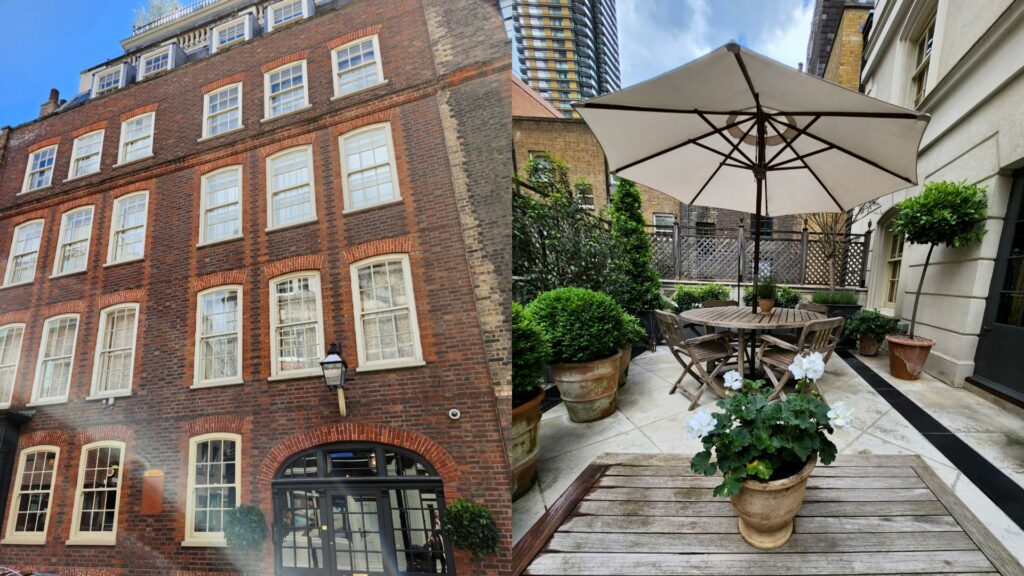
x=335 y=370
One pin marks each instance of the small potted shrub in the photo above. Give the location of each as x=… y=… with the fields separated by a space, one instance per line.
x=471 y=526
x=948 y=213
x=870 y=329
x=245 y=531
x=689 y=296
x=635 y=333
x=766 y=450
x=530 y=356
x=586 y=330
x=785 y=297
x=840 y=302
x=764 y=290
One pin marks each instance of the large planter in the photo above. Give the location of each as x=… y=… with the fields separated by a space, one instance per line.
x=766 y=509
x=907 y=355
x=589 y=389
x=525 y=446
x=867 y=346
x=625 y=356
x=765 y=305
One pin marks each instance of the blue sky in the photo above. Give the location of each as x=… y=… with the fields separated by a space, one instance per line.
x=47 y=43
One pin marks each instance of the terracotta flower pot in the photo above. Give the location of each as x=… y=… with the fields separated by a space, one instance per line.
x=766 y=509
x=907 y=355
x=624 y=359
x=867 y=346
x=589 y=389
x=765 y=305
x=525 y=447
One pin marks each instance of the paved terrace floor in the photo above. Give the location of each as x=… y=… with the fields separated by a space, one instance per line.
x=651 y=421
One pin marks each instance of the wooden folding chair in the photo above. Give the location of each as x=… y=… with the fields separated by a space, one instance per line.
x=777 y=354
x=790 y=335
x=692 y=354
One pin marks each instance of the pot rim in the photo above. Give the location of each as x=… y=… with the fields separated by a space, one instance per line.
x=903 y=340
x=783 y=483
x=529 y=404
x=575 y=364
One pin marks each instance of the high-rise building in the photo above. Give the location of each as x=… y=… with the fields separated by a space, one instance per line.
x=568 y=50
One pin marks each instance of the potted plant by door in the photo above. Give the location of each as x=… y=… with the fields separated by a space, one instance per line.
x=634 y=334
x=870 y=328
x=764 y=291
x=948 y=213
x=530 y=356
x=585 y=330
x=766 y=450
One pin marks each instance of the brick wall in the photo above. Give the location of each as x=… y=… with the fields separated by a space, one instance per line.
x=844 y=59
x=406 y=407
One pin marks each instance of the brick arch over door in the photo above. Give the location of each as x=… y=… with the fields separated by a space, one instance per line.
x=432 y=452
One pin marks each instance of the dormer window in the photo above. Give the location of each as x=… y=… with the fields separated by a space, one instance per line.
x=288 y=11
x=160 y=60
x=232 y=32
x=111 y=79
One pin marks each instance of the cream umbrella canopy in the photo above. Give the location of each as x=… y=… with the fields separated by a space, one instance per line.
x=737 y=130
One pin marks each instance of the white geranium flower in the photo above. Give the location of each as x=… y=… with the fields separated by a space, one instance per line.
x=840 y=416
x=797 y=368
x=733 y=380
x=814 y=365
x=699 y=425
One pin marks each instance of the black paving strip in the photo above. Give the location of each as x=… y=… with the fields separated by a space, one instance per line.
x=1000 y=489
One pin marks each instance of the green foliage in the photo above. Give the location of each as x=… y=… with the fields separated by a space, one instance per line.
x=760 y=440
x=632 y=280
x=785 y=297
x=948 y=213
x=871 y=324
x=245 y=527
x=765 y=288
x=556 y=242
x=839 y=298
x=633 y=331
x=581 y=325
x=471 y=527
x=530 y=356
x=689 y=296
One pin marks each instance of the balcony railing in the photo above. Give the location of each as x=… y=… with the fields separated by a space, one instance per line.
x=172 y=16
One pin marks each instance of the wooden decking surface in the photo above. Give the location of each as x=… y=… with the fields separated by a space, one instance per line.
x=648 y=514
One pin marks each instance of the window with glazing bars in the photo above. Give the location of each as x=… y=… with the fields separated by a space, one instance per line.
x=85 y=154
x=10 y=354
x=223 y=110
x=297 y=324
x=115 y=351
x=357 y=66
x=98 y=488
x=33 y=489
x=222 y=212
x=40 y=168
x=291 y=187
x=136 y=138
x=21 y=266
x=368 y=168
x=385 y=317
x=56 y=357
x=286 y=90
x=219 y=344
x=73 y=249
x=128 y=228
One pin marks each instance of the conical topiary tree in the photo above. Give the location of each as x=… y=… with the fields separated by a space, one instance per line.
x=632 y=279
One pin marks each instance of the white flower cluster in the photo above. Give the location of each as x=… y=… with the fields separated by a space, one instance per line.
x=733 y=380
x=699 y=425
x=840 y=416
x=810 y=366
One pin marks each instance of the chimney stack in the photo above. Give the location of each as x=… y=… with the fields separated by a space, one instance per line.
x=51 y=105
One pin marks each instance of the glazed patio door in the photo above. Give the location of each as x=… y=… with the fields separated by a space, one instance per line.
x=998 y=361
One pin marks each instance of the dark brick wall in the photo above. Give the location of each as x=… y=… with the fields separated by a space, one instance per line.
x=407 y=407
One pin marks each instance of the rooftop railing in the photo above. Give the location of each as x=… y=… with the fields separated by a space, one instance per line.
x=172 y=16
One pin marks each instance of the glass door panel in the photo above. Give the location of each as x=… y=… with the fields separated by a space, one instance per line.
x=300 y=531
x=355 y=525
x=416 y=522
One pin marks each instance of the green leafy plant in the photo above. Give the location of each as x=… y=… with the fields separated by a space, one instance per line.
x=785 y=297
x=245 y=527
x=632 y=279
x=530 y=356
x=471 y=527
x=689 y=296
x=633 y=331
x=948 y=213
x=765 y=288
x=581 y=325
x=755 y=439
x=837 y=298
x=870 y=324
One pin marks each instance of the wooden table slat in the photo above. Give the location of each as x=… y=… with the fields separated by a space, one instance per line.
x=819 y=471
x=712 y=481
x=724 y=508
x=706 y=495
x=727 y=525
x=741 y=318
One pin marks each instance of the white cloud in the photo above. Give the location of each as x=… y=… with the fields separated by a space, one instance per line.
x=788 y=43
x=648 y=47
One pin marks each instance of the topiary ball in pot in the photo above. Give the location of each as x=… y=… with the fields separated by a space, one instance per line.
x=245 y=527
x=530 y=356
x=586 y=330
x=471 y=527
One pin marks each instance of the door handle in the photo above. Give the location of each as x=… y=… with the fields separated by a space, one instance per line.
x=323 y=527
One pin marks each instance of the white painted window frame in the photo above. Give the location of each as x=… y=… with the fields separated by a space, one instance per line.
x=172 y=60
x=122 y=142
x=112 y=241
x=28 y=169
x=78 y=538
x=377 y=64
x=357 y=306
x=5 y=402
x=275 y=372
x=30 y=538
x=197 y=379
x=207 y=115
x=37 y=380
x=9 y=270
x=307 y=11
x=57 y=272
x=393 y=164
x=215 y=44
x=204 y=206
x=75 y=159
x=122 y=80
x=308 y=149
x=209 y=539
x=267 y=95
x=94 y=393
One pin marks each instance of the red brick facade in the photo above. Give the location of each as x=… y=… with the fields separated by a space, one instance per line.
x=405 y=407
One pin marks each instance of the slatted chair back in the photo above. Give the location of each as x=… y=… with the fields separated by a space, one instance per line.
x=671 y=328
x=812 y=307
x=821 y=336
x=718 y=303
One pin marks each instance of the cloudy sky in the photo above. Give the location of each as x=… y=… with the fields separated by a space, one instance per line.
x=658 y=35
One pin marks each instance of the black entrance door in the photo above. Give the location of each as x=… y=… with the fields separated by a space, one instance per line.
x=999 y=362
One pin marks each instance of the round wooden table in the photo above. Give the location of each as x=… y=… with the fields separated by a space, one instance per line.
x=741 y=319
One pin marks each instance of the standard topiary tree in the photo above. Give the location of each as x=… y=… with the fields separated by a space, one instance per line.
x=948 y=213
x=530 y=356
x=245 y=527
x=632 y=280
x=581 y=325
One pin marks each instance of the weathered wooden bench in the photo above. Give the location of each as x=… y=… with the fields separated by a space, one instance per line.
x=648 y=514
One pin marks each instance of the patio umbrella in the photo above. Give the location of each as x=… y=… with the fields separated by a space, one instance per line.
x=737 y=130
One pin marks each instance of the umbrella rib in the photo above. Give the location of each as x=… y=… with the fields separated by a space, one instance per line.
x=722 y=163
x=737 y=149
x=848 y=152
x=680 y=145
x=628 y=108
x=728 y=156
x=789 y=143
x=771 y=122
x=782 y=165
x=894 y=115
x=746 y=76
